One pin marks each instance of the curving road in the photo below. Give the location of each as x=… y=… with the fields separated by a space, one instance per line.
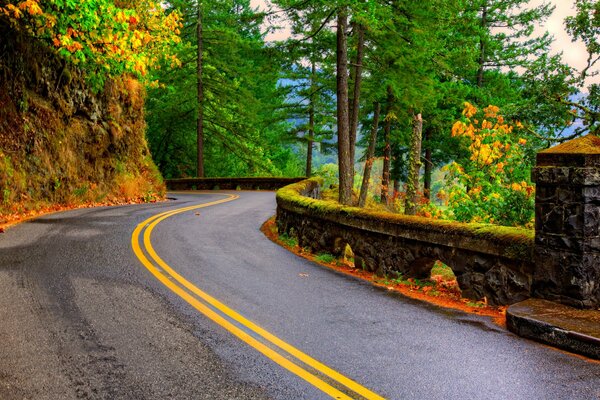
x=156 y=302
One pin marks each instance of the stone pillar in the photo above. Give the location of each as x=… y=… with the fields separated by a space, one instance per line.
x=567 y=221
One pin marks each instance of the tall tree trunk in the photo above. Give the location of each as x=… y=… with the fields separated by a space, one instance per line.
x=482 y=48
x=200 y=121
x=396 y=188
x=311 y=120
x=370 y=157
x=428 y=166
x=355 y=109
x=344 y=161
x=387 y=149
x=414 y=167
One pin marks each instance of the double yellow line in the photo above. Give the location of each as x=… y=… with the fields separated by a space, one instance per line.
x=231 y=320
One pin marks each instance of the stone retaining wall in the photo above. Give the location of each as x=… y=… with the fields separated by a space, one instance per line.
x=488 y=261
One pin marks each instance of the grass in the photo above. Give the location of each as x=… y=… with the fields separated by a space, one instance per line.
x=442 y=270
x=289 y=241
x=325 y=258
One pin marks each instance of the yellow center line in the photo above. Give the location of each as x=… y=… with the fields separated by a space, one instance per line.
x=150 y=224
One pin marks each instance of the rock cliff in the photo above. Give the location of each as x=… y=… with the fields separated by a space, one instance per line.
x=63 y=143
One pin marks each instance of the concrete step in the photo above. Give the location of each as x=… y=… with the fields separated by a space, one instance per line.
x=558 y=325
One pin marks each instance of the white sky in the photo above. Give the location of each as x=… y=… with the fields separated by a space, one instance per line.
x=573 y=53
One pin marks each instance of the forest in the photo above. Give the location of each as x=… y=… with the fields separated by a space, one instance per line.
x=435 y=108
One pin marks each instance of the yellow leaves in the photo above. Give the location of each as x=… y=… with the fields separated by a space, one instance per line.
x=120 y=17
x=391 y=116
x=516 y=187
x=469 y=110
x=522 y=141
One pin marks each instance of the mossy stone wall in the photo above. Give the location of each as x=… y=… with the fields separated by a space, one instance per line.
x=488 y=261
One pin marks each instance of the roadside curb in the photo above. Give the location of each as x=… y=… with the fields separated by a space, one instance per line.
x=558 y=325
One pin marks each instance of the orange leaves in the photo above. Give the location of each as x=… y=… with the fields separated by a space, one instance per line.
x=469 y=110
x=12 y=11
x=18 y=10
x=114 y=37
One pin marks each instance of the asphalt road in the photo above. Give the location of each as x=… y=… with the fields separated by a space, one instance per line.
x=82 y=317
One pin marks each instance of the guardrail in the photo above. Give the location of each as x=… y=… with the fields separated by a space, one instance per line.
x=250 y=183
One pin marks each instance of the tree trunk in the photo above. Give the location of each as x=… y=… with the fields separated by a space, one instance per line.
x=200 y=120
x=428 y=166
x=482 y=48
x=414 y=167
x=355 y=109
x=311 y=121
x=345 y=163
x=396 y=191
x=387 y=150
x=370 y=157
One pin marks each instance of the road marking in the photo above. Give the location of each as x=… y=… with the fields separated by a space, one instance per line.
x=165 y=277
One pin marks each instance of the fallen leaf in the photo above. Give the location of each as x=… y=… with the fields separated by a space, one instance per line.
x=303 y=275
x=197 y=213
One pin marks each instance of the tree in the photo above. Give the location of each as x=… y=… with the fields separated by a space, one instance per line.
x=504 y=29
x=343 y=122
x=569 y=98
x=200 y=94
x=412 y=183
x=369 y=158
x=243 y=124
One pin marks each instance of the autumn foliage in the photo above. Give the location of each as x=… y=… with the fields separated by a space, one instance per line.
x=103 y=37
x=493 y=183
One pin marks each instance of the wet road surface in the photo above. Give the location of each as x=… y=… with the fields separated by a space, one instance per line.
x=82 y=317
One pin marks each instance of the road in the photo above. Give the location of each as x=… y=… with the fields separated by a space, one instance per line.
x=117 y=303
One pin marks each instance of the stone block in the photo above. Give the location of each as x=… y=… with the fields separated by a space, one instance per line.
x=569 y=194
x=591 y=244
x=546 y=194
x=585 y=176
x=549 y=218
x=559 y=242
x=591 y=194
x=573 y=220
x=591 y=220
x=567 y=277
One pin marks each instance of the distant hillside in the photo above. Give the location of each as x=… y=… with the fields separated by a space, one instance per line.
x=60 y=143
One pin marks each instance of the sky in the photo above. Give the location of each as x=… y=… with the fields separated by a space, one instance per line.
x=574 y=54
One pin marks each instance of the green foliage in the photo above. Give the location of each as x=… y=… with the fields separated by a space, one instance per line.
x=441 y=269
x=325 y=258
x=289 y=241
x=243 y=124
